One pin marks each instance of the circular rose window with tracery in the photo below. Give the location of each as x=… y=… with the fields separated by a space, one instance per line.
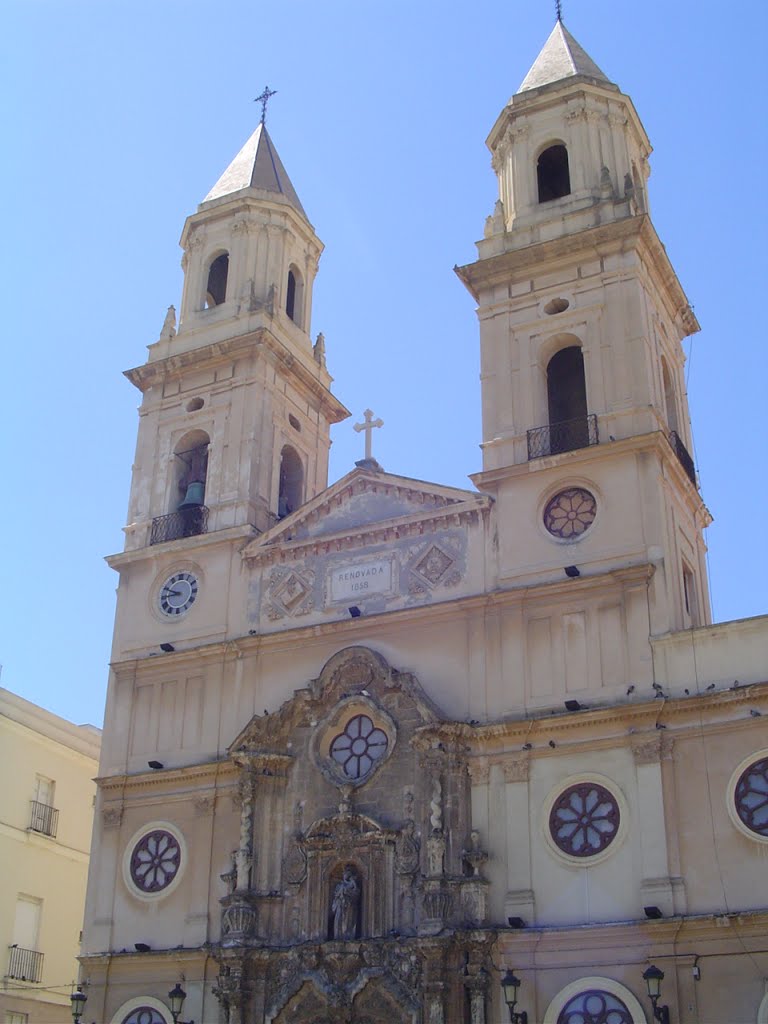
x=144 y=1015
x=751 y=797
x=155 y=861
x=595 y=1007
x=584 y=820
x=359 y=747
x=570 y=513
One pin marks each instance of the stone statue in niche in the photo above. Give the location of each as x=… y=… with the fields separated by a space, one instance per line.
x=345 y=903
x=407 y=849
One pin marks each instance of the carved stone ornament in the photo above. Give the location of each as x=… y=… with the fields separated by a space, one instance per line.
x=479 y=771
x=650 y=749
x=204 y=805
x=472 y=856
x=295 y=863
x=289 y=592
x=111 y=817
x=407 y=850
x=516 y=769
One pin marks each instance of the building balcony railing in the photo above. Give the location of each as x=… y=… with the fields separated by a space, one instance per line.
x=25 y=964
x=566 y=436
x=43 y=818
x=683 y=455
x=187 y=523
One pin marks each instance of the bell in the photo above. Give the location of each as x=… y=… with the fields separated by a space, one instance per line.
x=194 y=496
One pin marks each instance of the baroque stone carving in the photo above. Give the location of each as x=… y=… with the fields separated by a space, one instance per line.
x=345 y=904
x=111 y=817
x=204 y=805
x=407 y=849
x=289 y=592
x=516 y=769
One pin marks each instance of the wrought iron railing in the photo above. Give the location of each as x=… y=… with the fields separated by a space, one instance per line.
x=43 y=818
x=683 y=454
x=189 y=522
x=566 y=436
x=25 y=964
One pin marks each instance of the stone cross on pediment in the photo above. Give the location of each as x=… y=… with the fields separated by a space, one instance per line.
x=368 y=426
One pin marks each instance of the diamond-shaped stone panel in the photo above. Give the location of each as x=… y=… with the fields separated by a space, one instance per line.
x=434 y=565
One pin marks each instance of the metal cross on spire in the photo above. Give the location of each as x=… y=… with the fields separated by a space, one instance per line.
x=559 y=9
x=264 y=100
x=368 y=427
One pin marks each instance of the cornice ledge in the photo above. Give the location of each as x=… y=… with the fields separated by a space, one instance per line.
x=380 y=532
x=247 y=531
x=507 y=263
x=167 y=776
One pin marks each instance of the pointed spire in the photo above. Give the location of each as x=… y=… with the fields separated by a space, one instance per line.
x=257 y=165
x=561 y=57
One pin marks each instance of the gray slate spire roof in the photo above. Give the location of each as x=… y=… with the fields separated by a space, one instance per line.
x=257 y=165
x=561 y=57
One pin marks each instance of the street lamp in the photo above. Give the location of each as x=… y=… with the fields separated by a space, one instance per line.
x=176 y=998
x=509 y=986
x=653 y=978
x=78 y=1000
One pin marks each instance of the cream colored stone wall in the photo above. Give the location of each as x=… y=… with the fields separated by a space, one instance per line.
x=44 y=868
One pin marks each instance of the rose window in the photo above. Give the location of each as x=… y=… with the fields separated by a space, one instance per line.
x=144 y=1015
x=155 y=861
x=595 y=1007
x=360 y=745
x=584 y=820
x=751 y=797
x=570 y=513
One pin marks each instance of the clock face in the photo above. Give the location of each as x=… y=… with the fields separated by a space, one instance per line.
x=178 y=593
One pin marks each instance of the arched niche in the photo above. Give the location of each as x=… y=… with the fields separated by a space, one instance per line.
x=294 y=295
x=291 y=486
x=190 y=470
x=567 y=399
x=553 y=176
x=670 y=397
x=216 y=280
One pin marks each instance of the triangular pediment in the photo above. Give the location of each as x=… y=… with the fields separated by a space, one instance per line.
x=360 y=506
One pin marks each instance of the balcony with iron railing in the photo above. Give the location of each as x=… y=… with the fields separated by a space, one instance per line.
x=24 y=964
x=566 y=436
x=188 y=522
x=683 y=455
x=44 y=819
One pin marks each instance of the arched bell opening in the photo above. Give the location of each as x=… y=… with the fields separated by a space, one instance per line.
x=553 y=174
x=567 y=400
x=670 y=398
x=190 y=474
x=291 y=490
x=294 y=296
x=216 y=285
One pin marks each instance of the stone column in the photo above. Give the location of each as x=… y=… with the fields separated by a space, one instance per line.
x=519 y=900
x=657 y=887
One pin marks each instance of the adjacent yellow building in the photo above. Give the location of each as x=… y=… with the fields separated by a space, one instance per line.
x=46 y=815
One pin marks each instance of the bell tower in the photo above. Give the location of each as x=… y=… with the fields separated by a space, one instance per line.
x=236 y=408
x=586 y=433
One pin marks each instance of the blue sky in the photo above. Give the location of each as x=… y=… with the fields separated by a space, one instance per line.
x=119 y=118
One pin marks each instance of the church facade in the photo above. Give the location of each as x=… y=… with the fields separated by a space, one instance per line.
x=368 y=747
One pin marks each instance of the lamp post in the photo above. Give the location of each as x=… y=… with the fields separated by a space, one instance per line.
x=78 y=1000
x=653 y=978
x=176 y=998
x=509 y=986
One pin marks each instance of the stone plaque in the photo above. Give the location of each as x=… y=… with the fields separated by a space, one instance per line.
x=355 y=580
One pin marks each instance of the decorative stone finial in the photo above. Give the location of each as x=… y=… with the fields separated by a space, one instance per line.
x=169 y=324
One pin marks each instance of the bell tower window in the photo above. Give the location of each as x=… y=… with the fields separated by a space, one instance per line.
x=216 y=288
x=294 y=296
x=567 y=400
x=190 y=471
x=291 y=482
x=670 y=401
x=552 y=172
